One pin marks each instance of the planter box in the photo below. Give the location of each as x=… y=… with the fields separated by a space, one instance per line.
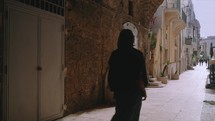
x=163 y=80
x=175 y=77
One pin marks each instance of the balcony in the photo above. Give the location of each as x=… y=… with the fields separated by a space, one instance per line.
x=173 y=4
x=188 y=41
x=172 y=11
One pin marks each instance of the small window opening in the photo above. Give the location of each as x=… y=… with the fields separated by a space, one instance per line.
x=130 y=8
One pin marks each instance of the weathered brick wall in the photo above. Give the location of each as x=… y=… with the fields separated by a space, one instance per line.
x=92 y=28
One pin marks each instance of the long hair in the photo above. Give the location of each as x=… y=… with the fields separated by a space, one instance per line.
x=126 y=39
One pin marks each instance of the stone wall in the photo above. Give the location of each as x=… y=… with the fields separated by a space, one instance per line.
x=92 y=28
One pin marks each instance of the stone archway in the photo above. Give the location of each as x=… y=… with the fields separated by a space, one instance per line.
x=133 y=28
x=92 y=30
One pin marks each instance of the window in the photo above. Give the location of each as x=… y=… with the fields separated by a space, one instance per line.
x=187 y=50
x=53 y=6
x=130 y=7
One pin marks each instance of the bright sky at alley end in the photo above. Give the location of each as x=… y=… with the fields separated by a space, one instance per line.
x=205 y=13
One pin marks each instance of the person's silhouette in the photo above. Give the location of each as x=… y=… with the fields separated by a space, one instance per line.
x=127 y=78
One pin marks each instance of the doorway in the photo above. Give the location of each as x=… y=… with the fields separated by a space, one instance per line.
x=133 y=28
x=34 y=82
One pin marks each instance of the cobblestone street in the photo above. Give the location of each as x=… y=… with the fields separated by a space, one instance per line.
x=185 y=99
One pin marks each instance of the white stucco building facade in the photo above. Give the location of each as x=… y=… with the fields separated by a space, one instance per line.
x=205 y=44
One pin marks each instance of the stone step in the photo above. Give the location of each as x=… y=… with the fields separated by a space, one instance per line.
x=155 y=84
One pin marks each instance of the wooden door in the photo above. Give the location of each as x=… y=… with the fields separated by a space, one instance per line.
x=35 y=85
x=22 y=66
x=51 y=83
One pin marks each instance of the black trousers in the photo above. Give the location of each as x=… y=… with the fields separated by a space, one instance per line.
x=128 y=105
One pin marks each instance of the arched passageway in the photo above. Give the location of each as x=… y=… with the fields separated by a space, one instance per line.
x=92 y=32
x=91 y=29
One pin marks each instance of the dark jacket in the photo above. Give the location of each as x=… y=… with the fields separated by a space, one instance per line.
x=126 y=69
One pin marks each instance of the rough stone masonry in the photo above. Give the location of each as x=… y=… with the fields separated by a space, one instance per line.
x=91 y=32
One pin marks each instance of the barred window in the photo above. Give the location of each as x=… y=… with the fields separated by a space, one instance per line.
x=53 y=6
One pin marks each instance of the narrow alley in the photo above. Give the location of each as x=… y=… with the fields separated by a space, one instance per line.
x=180 y=100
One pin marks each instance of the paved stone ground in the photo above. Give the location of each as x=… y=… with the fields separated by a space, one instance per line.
x=179 y=100
x=208 y=110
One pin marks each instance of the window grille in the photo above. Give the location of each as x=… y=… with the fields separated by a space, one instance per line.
x=53 y=6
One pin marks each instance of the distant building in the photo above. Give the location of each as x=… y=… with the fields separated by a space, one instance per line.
x=175 y=34
x=190 y=36
x=166 y=30
x=205 y=44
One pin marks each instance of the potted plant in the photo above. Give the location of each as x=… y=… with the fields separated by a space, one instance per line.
x=163 y=77
x=175 y=76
